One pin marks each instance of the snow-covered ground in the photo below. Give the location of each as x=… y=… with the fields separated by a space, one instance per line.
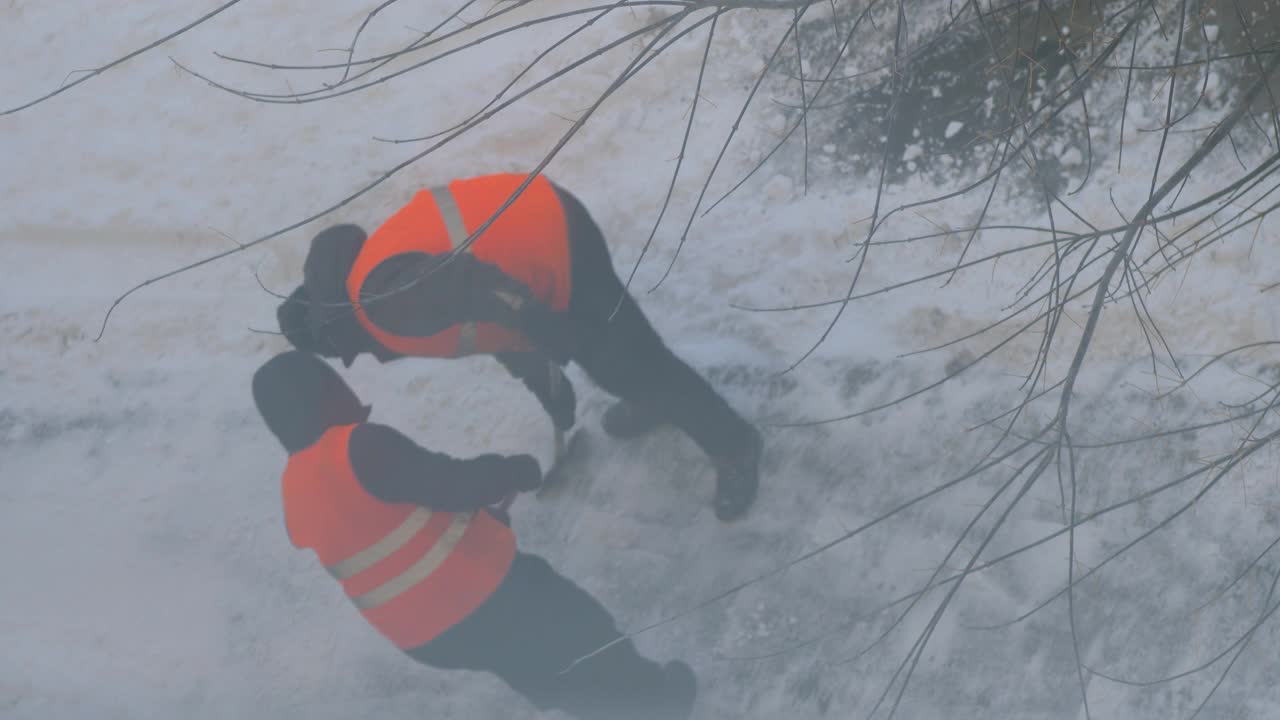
x=147 y=569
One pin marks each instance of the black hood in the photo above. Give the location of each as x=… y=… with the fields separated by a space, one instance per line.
x=300 y=397
x=318 y=317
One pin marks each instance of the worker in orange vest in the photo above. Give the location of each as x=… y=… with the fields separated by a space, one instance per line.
x=535 y=289
x=407 y=534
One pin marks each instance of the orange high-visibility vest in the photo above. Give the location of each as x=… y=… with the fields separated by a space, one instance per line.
x=412 y=572
x=529 y=241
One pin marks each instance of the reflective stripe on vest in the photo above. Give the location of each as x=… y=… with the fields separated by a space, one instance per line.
x=457 y=231
x=420 y=570
x=393 y=541
x=382 y=549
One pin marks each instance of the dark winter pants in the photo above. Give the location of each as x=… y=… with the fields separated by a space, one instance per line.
x=624 y=354
x=534 y=626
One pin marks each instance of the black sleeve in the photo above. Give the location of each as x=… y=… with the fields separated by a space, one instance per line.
x=417 y=294
x=395 y=469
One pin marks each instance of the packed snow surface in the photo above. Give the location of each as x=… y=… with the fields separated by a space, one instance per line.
x=147 y=571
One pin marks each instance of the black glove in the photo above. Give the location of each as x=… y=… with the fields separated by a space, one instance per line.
x=493 y=296
x=524 y=471
x=524 y=474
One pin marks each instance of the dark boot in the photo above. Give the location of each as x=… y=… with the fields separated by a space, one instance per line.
x=738 y=479
x=624 y=420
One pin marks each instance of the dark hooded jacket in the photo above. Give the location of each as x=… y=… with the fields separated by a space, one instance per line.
x=319 y=317
x=300 y=398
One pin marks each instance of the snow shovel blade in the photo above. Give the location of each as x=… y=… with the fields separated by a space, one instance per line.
x=567 y=451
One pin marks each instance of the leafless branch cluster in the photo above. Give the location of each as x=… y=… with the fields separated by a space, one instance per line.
x=1022 y=77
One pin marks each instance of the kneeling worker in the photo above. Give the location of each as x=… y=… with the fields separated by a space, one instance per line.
x=407 y=534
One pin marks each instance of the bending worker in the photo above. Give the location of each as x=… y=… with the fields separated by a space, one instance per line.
x=406 y=533
x=536 y=289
